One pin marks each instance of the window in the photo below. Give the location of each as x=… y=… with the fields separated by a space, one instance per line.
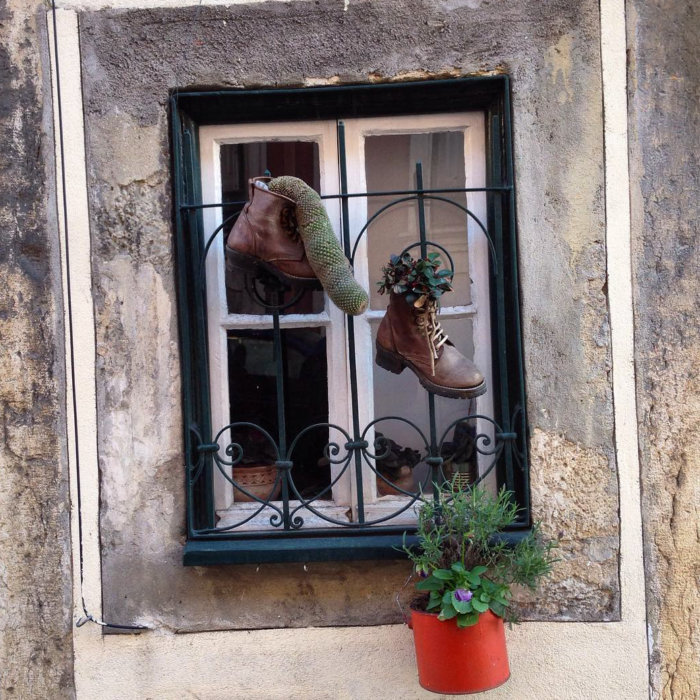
x=282 y=377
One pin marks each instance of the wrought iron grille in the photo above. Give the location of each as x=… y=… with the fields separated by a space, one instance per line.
x=501 y=448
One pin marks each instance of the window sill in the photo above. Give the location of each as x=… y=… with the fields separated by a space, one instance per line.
x=260 y=551
x=306 y=549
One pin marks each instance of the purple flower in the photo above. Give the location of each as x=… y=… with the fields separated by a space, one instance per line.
x=462 y=595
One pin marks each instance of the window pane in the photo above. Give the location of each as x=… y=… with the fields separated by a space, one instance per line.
x=391 y=166
x=402 y=395
x=253 y=398
x=243 y=161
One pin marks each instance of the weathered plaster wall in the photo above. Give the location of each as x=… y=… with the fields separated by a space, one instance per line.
x=664 y=123
x=35 y=583
x=130 y=62
x=548 y=661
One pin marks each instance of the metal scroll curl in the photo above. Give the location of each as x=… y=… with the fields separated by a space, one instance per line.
x=382 y=449
x=414 y=198
x=237 y=454
x=473 y=445
x=330 y=451
x=470 y=446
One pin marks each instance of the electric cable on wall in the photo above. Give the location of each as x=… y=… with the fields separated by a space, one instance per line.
x=87 y=616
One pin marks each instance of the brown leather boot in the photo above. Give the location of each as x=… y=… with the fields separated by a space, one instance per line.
x=411 y=336
x=264 y=238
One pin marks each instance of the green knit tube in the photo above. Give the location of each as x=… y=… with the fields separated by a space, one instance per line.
x=323 y=251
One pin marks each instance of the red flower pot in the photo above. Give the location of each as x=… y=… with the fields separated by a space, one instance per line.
x=456 y=660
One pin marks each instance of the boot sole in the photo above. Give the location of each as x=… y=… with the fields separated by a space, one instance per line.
x=394 y=363
x=236 y=261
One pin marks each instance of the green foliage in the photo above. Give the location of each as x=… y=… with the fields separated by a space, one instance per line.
x=466 y=568
x=416 y=278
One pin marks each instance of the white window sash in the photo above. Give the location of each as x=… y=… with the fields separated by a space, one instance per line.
x=324 y=133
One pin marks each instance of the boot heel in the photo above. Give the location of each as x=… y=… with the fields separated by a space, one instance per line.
x=388 y=361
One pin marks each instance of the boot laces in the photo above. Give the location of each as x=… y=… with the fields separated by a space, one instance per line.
x=427 y=321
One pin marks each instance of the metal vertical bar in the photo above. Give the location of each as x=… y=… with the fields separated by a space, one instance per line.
x=515 y=297
x=434 y=461
x=501 y=354
x=281 y=420
x=184 y=316
x=421 y=210
x=200 y=305
x=351 y=326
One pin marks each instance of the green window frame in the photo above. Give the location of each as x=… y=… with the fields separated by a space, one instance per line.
x=191 y=110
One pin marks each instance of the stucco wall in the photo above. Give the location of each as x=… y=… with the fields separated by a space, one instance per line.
x=35 y=583
x=548 y=660
x=130 y=62
x=664 y=123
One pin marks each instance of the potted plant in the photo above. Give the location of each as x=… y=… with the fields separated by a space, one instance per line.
x=466 y=570
x=410 y=334
x=415 y=278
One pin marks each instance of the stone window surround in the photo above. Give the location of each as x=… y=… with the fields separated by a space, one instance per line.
x=565 y=447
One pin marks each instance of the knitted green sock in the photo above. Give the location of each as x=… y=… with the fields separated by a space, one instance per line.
x=323 y=251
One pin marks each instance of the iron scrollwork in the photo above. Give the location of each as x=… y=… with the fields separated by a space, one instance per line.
x=470 y=455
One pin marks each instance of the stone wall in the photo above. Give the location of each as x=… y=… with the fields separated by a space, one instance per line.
x=664 y=125
x=551 y=50
x=131 y=60
x=35 y=576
